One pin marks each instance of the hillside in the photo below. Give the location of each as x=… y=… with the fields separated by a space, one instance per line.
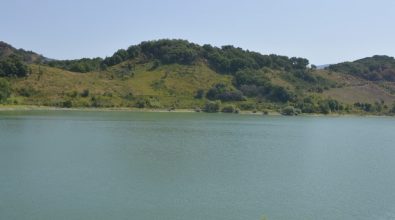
x=178 y=74
x=376 y=68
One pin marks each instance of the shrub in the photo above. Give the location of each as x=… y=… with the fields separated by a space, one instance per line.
x=228 y=109
x=212 y=107
x=85 y=93
x=67 y=104
x=393 y=109
x=290 y=111
x=5 y=90
x=247 y=106
x=223 y=93
x=199 y=94
x=141 y=103
x=13 y=66
x=27 y=91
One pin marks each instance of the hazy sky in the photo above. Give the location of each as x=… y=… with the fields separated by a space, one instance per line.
x=324 y=31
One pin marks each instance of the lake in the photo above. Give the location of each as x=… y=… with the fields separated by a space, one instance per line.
x=121 y=165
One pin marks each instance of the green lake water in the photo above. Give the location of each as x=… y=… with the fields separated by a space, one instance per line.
x=193 y=166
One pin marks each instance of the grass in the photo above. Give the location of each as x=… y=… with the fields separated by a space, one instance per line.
x=172 y=86
x=169 y=84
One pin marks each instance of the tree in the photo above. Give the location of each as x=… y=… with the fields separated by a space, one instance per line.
x=212 y=107
x=290 y=111
x=393 y=108
x=5 y=90
x=13 y=66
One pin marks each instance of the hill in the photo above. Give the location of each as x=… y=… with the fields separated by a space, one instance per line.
x=179 y=74
x=376 y=68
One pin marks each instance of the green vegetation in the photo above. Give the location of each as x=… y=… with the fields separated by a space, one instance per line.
x=82 y=65
x=171 y=74
x=374 y=68
x=13 y=66
x=5 y=90
x=290 y=111
x=212 y=107
x=229 y=109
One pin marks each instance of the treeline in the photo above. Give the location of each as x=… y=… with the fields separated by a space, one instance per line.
x=246 y=67
x=83 y=65
x=12 y=66
x=13 y=62
x=374 y=68
x=227 y=59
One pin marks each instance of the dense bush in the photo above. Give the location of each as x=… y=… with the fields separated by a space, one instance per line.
x=393 y=109
x=290 y=111
x=5 y=90
x=222 y=92
x=278 y=94
x=81 y=65
x=247 y=106
x=250 y=77
x=372 y=68
x=85 y=93
x=150 y=102
x=13 y=66
x=199 y=94
x=212 y=106
x=229 y=109
x=227 y=59
x=368 y=107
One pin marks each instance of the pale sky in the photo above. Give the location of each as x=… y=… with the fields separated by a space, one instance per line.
x=324 y=31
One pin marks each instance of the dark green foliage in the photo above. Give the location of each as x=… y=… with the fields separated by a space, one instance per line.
x=323 y=106
x=83 y=65
x=377 y=107
x=170 y=51
x=27 y=91
x=290 y=111
x=228 y=109
x=252 y=90
x=85 y=93
x=223 y=93
x=212 y=107
x=299 y=63
x=250 y=77
x=305 y=75
x=367 y=107
x=278 y=94
x=227 y=59
x=13 y=66
x=23 y=55
x=67 y=104
x=247 y=106
x=392 y=110
x=133 y=51
x=372 y=68
x=141 y=103
x=5 y=90
x=199 y=94
x=149 y=102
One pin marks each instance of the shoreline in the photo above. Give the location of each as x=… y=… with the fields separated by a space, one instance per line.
x=11 y=108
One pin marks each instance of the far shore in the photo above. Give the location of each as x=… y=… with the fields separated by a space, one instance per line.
x=10 y=108
x=113 y=109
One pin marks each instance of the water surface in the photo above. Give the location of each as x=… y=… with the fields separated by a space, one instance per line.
x=122 y=165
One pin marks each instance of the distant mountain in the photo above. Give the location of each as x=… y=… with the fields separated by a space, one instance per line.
x=180 y=74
